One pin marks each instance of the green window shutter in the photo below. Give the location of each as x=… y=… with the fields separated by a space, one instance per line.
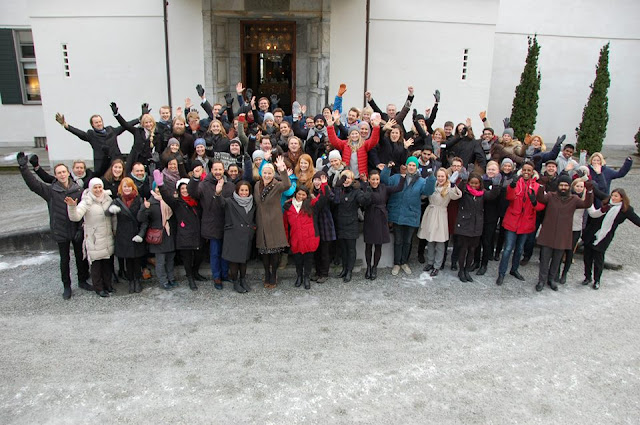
x=9 y=77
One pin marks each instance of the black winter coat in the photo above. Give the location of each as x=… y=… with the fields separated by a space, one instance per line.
x=594 y=224
x=111 y=185
x=212 y=211
x=470 y=151
x=239 y=230
x=376 y=216
x=62 y=228
x=216 y=143
x=187 y=219
x=153 y=217
x=348 y=201
x=143 y=147
x=128 y=226
x=470 y=218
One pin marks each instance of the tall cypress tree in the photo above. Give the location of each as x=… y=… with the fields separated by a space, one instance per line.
x=595 y=116
x=637 y=138
x=525 y=103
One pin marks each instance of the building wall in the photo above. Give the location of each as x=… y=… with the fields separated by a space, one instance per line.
x=570 y=46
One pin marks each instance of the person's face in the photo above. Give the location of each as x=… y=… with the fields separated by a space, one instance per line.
x=448 y=130
x=200 y=150
x=294 y=145
x=563 y=187
x=301 y=195
x=265 y=144
x=536 y=142
x=263 y=104
x=308 y=122
x=235 y=123
x=425 y=155
x=441 y=177
x=395 y=135
x=97 y=190
x=391 y=111
x=319 y=124
x=456 y=165
x=97 y=124
x=506 y=138
x=579 y=186
x=527 y=171
x=172 y=165
x=178 y=127
x=304 y=165
x=194 y=124
x=269 y=122
x=267 y=175
x=474 y=183
x=492 y=170
x=487 y=136
x=183 y=190
x=216 y=109
x=615 y=197
x=126 y=189
x=217 y=170
x=437 y=137
x=364 y=131
x=459 y=128
x=215 y=127
x=366 y=116
x=422 y=123
x=374 y=180
x=352 y=117
x=234 y=148
x=233 y=172
x=567 y=152
x=79 y=169
x=116 y=169
x=243 y=191
x=335 y=163
x=257 y=161
x=551 y=169
x=326 y=113
x=284 y=128
x=596 y=161
x=411 y=168
x=165 y=114
x=138 y=171
x=354 y=136
x=348 y=181
x=278 y=118
x=317 y=183
x=147 y=123
x=174 y=147
x=507 y=168
x=62 y=174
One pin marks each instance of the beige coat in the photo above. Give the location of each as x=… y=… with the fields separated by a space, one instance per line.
x=434 y=226
x=270 y=225
x=98 y=226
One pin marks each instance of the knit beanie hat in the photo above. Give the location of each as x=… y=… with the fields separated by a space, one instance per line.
x=565 y=179
x=173 y=141
x=268 y=116
x=257 y=154
x=199 y=141
x=508 y=131
x=94 y=181
x=506 y=161
x=235 y=140
x=320 y=117
x=420 y=117
x=412 y=159
x=335 y=154
x=354 y=128
x=319 y=174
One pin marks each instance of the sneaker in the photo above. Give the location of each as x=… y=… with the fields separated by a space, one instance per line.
x=395 y=270
x=406 y=268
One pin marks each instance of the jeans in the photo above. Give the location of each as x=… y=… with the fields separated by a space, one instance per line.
x=219 y=266
x=513 y=242
x=403 y=236
x=81 y=265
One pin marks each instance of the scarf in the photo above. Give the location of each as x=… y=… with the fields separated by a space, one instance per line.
x=78 y=179
x=296 y=204
x=189 y=201
x=475 y=192
x=607 y=222
x=246 y=202
x=103 y=131
x=334 y=174
x=170 y=177
x=265 y=191
x=141 y=180
x=410 y=178
x=165 y=210
x=128 y=199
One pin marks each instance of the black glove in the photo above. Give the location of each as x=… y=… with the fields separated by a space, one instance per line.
x=514 y=182
x=560 y=139
x=114 y=108
x=200 y=90
x=145 y=108
x=22 y=159
x=105 y=150
x=229 y=99
x=34 y=161
x=249 y=93
x=341 y=181
x=507 y=122
x=274 y=100
x=437 y=96
x=414 y=115
x=532 y=197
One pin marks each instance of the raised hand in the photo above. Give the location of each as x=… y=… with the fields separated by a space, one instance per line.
x=390 y=124
x=187 y=103
x=427 y=112
x=145 y=108
x=253 y=102
x=560 y=139
x=197 y=171
x=454 y=177
x=249 y=93
x=403 y=170
x=506 y=122
x=70 y=201
x=336 y=115
x=22 y=159
x=280 y=165
x=375 y=119
x=342 y=89
x=274 y=100
x=367 y=96
x=483 y=115
x=239 y=88
x=410 y=89
x=228 y=98
x=157 y=177
x=60 y=119
x=408 y=143
x=323 y=178
x=200 y=90
x=289 y=172
x=436 y=95
x=468 y=122
x=114 y=108
x=34 y=160
x=219 y=186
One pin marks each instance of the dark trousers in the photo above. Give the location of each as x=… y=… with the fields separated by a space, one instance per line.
x=191 y=259
x=403 y=236
x=531 y=239
x=368 y=248
x=237 y=268
x=486 y=243
x=81 y=265
x=348 y=249
x=500 y=239
x=101 y=274
x=549 y=262
x=468 y=245
x=569 y=255
x=455 y=252
x=322 y=258
x=133 y=268
x=304 y=263
x=593 y=260
x=270 y=263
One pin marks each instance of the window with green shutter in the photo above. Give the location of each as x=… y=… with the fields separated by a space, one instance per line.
x=19 y=83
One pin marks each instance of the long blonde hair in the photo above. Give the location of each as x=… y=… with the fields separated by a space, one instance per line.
x=445 y=188
x=153 y=130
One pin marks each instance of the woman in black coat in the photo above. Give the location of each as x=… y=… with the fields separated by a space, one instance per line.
x=145 y=139
x=239 y=230
x=326 y=230
x=158 y=215
x=376 y=220
x=129 y=241
x=349 y=198
x=600 y=231
x=491 y=217
x=187 y=213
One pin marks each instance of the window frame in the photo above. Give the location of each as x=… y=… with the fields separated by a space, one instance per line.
x=20 y=61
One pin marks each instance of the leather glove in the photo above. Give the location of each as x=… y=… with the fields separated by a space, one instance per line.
x=341 y=181
x=200 y=90
x=436 y=95
x=414 y=114
x=560 y=139
x=605 y=207
x=588 y=185
x=514 y=182
x=532 y=197
x=137 y=239
x=34 y=161
x=114 y=108
x=22 y=159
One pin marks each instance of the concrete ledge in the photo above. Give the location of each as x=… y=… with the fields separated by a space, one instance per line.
x=31 y=240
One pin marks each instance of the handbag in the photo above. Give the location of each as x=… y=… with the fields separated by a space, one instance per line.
x=153 y=236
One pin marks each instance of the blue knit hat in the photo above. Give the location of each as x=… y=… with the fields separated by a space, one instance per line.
x=412 y=159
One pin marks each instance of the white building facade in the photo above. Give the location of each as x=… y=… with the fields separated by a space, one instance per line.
x=90 y=53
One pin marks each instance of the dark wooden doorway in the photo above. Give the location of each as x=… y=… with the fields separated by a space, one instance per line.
x=269 y=59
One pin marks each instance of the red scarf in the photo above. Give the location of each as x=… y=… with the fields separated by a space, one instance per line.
x=190 y=201
x=475 y=192
x=128 y=199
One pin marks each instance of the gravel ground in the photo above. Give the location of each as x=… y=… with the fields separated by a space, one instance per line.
x=404 y=349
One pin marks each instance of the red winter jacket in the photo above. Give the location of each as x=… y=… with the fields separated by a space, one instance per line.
x=363 y=153
x=521 y=215
x=300 y=230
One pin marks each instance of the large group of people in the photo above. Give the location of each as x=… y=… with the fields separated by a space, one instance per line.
x=247 y=181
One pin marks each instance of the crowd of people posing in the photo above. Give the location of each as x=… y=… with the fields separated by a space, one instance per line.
x=250 y=181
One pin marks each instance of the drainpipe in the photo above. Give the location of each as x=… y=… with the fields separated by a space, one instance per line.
x=166 y=51
x=366 y=51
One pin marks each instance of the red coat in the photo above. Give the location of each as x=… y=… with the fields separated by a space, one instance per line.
x=363 y=152
x=521 y=215
x=300 y=230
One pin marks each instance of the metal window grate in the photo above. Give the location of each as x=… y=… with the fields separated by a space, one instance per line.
x=65 y=59
x=465 y=62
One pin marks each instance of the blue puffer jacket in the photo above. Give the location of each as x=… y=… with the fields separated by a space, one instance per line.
x=404 y=207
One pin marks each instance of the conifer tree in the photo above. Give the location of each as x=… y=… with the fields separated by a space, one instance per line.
x=525 y=102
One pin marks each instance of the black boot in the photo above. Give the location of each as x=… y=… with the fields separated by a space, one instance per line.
x=482 y=270
x=474 y=267
x=374 y=273
x=343 y=273
x=587 y=280
x=192 y=283
x=132 y=287
x=347 y=276
x=298 y=281
x=84 y=285
x=197 y=276
x=115 y=278
x=461 y=276
x=563 y=278
x=137 y=285
x=367 y=273
x=596 y=285
x=500 y=280
x=307 y=282
x=238 y=287
x=467 y=275
x=245 y=285
x=66 y=294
